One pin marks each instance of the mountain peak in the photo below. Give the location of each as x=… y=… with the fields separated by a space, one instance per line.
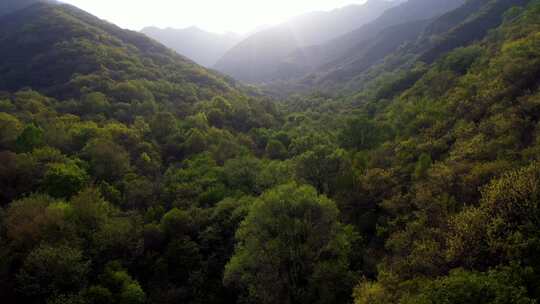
x=43 y=27
x=10 y=6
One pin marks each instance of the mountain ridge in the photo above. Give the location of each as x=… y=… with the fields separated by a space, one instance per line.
x=103 y=49
x=256 y=57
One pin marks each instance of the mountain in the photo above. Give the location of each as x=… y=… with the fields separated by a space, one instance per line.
x=262 y=56
x=60 y=51
x=203 y=47
x=345 y=58
x=424 y=40
x=110 y=116
x=409 y=11
x=9 y=6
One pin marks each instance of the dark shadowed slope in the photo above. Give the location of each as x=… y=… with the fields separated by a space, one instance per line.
x=61 y=51
x=10 y=6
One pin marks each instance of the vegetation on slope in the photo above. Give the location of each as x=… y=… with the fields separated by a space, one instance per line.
x=63 y=51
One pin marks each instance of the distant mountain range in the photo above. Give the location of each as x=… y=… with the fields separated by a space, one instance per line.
x=379 y=28
x=203 y=47
x=311 y=49
x=263 y=56
x=345 y=57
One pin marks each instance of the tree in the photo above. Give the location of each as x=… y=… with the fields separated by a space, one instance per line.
x=98 y=295
x=10 y=129
x=163 y=125
x=360 y=133
x=138 y=191
x=196 y=142
x=90 y=210
x=292 y=249
x=276 y=150
x=216 y=118
x=241 y=173
x=370 y=293
x=321 y=167
x=118 y=284
x=10 y=172
x=274 y=173
x=108 y=161
x=34 y=219
x=117 y=238
x=64 y=180
x=512 y=204
x=474 y=288
x=52 y=270
x=222 y=104
x=95 y=103
x=184 y=186
x=175 y=223
x=30 y=138
x=422 y=166
x=132 y=293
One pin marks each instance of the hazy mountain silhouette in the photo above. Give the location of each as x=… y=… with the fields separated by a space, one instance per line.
x=262 y=56
x=360 y=48
x=424 y=40
x=201 y=46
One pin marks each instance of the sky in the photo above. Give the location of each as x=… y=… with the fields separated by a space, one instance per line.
x=239 y=16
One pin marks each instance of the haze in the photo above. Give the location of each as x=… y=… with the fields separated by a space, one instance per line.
x=219 y=16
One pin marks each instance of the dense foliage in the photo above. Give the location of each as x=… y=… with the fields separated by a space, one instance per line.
x=143 y=178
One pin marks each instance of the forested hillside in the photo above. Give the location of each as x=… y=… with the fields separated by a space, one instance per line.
x=91 y=54
x=131 y=175
x=445 y=161
x=405 y=44
x=106 y=138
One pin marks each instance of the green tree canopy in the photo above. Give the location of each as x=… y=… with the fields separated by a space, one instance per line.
x=52 y=270
x=463 y=287
x=30 y=138
x=64 y=180
x=108 y=160
x=292 y=249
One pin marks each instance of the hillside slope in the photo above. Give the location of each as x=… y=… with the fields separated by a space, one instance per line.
x=59 y=50
x=428 y=40
x=445 y=155
x=411 y=11
x=401 y=45
x=100 y=128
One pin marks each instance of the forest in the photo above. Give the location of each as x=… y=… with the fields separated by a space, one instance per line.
x=131 y=175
